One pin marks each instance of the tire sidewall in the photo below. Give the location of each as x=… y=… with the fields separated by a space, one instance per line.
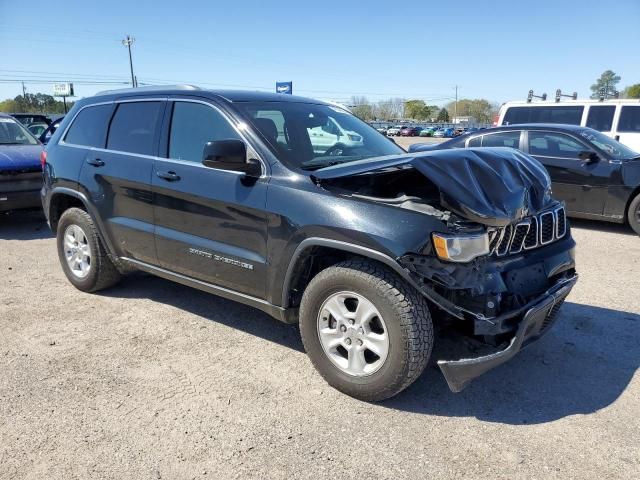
x=78 y=217
x=318 y=291
x=632 y=218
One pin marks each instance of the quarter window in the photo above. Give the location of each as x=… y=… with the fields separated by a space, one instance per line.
x=475 y=142
x=133 y=127
x=629 y=119
x=547 y=144
x=192 y=126
x=504 y=139
x=89 y=128
x=601 y=117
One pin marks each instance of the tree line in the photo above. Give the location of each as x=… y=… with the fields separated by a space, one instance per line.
x=481 y=110
x=33 y=103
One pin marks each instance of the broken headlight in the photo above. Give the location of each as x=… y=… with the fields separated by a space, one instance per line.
x=460 y=248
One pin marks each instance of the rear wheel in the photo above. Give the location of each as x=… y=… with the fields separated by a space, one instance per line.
x=81 y=253
x=633 y=215
x=366 y=331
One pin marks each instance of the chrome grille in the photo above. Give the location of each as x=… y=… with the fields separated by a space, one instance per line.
x=530 y=233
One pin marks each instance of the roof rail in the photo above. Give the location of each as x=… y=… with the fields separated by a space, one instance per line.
x=151 y=88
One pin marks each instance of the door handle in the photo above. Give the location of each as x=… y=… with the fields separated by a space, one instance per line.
x=96 y=162
x=169 y=176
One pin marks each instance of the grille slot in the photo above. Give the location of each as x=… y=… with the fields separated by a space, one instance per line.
x=531 y=240
x=503 y=247
x=546 y=227
x=561 y=223
x=495 y=236
x=519 y=236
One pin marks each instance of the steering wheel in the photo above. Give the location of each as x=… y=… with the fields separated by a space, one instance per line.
x=335 y=150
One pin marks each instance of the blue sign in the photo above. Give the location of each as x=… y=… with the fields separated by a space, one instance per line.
x=284 y=87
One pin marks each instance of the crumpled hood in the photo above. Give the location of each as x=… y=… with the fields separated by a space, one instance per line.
x=492 y=186
x=20 y=157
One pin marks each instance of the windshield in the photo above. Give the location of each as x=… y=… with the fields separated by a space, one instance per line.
x=309 y=136
x=13 y=133
x=607 y=144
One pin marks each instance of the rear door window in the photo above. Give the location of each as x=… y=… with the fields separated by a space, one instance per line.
x=133 y=128
x=89 y=128
x=601 y=117
x=503 y=139
x=629 y=119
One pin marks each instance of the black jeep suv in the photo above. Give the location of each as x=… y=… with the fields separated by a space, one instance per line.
x=298 y=208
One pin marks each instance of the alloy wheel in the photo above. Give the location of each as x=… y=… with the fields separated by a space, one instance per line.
x=77 y=251
x=353 y=334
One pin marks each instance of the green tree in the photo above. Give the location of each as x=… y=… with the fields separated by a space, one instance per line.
x=361 y=108
x=607 y=80
x=417 y=110
x=443 y=115
x=33 y=103
x=480 y=109
x=632 y=91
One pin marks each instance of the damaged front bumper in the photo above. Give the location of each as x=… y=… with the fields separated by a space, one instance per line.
x=536 y=321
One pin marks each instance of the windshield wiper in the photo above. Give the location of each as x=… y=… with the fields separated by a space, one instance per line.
x=316 y=164
x=13 y=143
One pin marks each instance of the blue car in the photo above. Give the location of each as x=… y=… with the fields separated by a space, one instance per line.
x=20 y=170
x=448 y=132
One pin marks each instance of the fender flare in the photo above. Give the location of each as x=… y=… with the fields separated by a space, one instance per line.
x=338 y=245
x=89 y=208
x=428 y=292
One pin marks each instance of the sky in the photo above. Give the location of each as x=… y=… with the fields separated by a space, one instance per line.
x=331 y=50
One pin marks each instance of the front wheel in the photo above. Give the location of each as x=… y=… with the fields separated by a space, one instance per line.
x=366 y=331
x=633 y=214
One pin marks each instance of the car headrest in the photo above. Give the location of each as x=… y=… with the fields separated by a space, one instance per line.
x=267 y=127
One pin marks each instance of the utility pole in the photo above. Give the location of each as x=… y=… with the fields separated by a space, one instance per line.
x=455 y=107
x=24 y=90
x=127 y=42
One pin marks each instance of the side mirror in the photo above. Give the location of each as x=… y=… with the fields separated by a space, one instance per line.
x=588 y=156
x=230 y=155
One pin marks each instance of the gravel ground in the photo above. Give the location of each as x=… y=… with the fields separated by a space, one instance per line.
x=152 y=380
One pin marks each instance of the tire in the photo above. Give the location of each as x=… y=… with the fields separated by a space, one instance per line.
x=633 y=214
x=100 y=272
x=402 y=312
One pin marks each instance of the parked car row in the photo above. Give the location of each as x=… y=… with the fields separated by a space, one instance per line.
x=414 y=131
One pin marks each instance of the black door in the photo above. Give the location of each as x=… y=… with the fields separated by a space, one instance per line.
x=118 y=177
x=582 y=185
x=210 y=224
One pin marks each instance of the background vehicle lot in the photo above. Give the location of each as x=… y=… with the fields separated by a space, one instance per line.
x=154 y=380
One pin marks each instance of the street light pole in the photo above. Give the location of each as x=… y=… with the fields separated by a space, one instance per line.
x=455 y=107
x=128 y=42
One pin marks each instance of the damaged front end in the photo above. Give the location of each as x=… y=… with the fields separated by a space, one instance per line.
x=503 y=261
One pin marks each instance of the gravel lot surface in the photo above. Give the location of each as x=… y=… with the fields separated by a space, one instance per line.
x=152 y=380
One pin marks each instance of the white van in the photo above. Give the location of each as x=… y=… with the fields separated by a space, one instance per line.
x=619 y=119
x=326 y=136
